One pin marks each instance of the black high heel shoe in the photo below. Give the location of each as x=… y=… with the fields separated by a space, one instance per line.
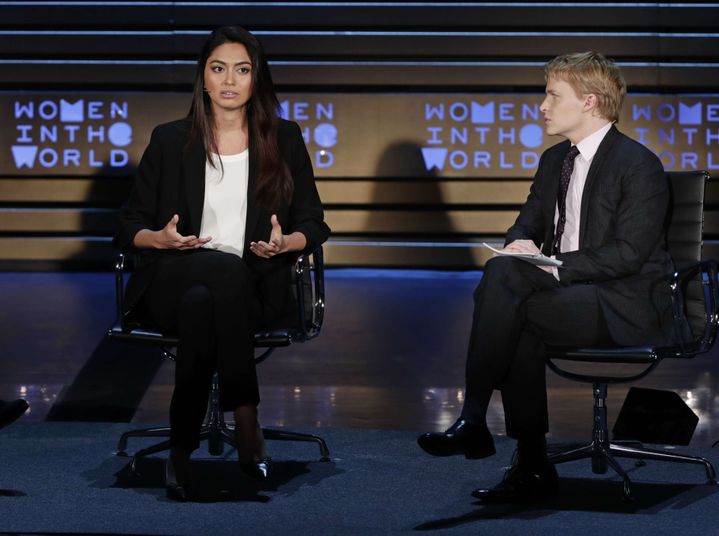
x=257 y=470
x=173 y=489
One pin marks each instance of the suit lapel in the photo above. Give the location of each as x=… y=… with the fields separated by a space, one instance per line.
x=193 y=172
x=592 y=177
x=253 y=211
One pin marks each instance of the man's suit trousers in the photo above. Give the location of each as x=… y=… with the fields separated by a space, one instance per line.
x=518 y=308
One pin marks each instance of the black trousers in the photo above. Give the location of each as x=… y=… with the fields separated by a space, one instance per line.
x=518 y=308
x=207 y=297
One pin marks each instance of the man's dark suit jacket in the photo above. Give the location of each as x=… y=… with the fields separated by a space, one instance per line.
x=170 y=180
x=622 y=241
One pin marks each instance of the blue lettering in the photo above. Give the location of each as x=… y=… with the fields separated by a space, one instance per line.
x=456 y=134
x=23 y=109
x=663 y=136
x=642 y=135
x=434 y=140
x=458 y=159
x=712 y=112
x=509 y=134
x=48 y=133
x=458 y=111
x=93 y=110
x=530 y=112
x=433 y=111
x=482 y=158
x=325 y=112
x=641 y=113
x=502 y=163
x=47 y=110
x=24 y=130
x=71 y=156
x=689 y=160
x=482 y=131
x=118 y=110
x=505 y=111
x=324 y=158
x=665 y=112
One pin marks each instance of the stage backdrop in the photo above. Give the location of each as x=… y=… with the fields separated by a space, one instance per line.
x=356 y=135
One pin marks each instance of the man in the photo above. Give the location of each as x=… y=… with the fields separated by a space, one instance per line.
x=598 y=203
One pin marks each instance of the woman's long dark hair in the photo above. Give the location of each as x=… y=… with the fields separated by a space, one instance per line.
x=274 y=183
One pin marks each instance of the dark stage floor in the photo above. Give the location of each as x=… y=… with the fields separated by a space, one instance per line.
x=391 y=356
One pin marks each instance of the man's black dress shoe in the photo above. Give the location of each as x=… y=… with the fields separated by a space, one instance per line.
x=472 y=440
x=522 y=485
x=11 y=411
x=259 y=470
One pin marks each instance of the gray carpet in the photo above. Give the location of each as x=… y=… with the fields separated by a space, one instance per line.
x=62 y=478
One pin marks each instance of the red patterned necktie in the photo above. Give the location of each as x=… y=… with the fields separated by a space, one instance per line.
x=564 y=178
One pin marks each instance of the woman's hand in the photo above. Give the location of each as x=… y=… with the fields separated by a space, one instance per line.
x=278 y=242
x=168 y=238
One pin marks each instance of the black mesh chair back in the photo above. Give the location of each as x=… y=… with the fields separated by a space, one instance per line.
x=684 y=238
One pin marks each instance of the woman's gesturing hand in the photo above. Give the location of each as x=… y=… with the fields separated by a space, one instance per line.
x=168 y=238
x=276 y=244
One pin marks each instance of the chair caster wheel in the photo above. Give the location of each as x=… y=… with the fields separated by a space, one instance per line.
x=121 y=453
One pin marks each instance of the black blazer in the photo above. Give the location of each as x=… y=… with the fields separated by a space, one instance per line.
x=170 y=180
x=622 y=236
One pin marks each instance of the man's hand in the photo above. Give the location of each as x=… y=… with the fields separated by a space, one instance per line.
x=277 y=243
x=526 y=246
x=168 y=238
x=522 y=246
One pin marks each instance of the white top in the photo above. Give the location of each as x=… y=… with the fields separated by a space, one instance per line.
x=587 y=149
x=224 y=211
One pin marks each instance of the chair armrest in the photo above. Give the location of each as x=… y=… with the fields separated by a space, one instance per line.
x=120 y=288
x=708 y=270
x=310 y=328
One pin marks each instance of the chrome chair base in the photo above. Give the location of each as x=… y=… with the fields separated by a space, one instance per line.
x=604 y=452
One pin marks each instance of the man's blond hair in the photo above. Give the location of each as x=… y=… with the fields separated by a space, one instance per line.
x=591 y=72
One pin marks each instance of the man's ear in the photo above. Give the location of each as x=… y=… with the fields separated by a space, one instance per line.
x=590 y=102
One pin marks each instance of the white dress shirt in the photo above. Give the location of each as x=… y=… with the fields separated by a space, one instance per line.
x=224 y=210
x=573 y=206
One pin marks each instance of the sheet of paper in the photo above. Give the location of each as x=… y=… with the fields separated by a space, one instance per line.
x=533 y=258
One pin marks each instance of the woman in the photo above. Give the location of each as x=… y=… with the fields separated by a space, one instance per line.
x=223 y=201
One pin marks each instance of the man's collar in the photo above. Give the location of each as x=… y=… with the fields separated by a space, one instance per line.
x=589 y=145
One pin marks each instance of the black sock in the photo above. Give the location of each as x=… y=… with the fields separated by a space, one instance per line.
x=532 y=451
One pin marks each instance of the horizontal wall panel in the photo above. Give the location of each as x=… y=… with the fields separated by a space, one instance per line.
x=361 y=45
x=420 y=222
x=50 y=220
x=103 y=190
x=35 y=73
x=369 y=221
x=52 y=253
x=95 y=220
x=400 y=255
x=337 y=192
x=113 y=191
x=362 y=14
x=80 y=249
x=422 y=192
